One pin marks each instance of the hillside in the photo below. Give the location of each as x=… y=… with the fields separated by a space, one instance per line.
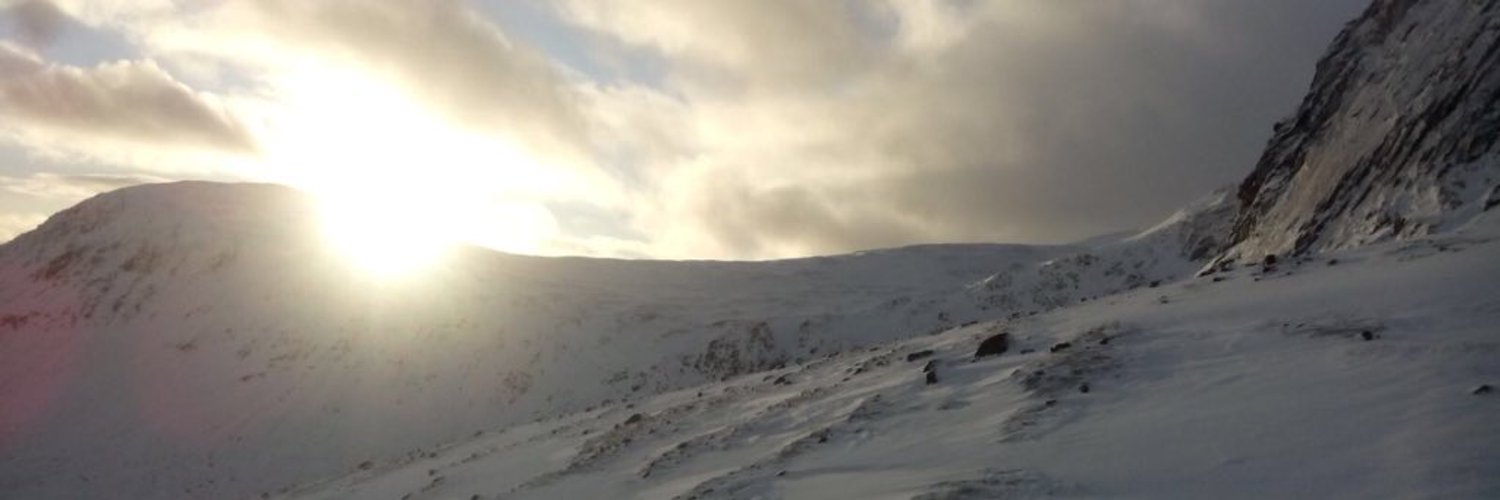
x=1360 y=374
x=207 y=336
x=1324 y=330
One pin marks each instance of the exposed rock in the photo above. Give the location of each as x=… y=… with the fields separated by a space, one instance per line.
x=918 y=355
x=994 y=345
x=1395 y=138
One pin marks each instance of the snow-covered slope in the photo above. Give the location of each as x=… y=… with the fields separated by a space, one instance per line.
x=1395 y=139
x=208 y=336
x=1359 y=374
x=1173 y=249
x=202 y=340
x=199 y=340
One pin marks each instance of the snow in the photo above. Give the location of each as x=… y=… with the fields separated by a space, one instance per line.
x=201 y=340
x=1258 y=386
x=148 y=351
x=209 y=334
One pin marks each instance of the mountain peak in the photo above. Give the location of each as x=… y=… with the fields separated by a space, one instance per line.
x=157 y=210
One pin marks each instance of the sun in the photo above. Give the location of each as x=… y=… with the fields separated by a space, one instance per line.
x=387 y=235
x=400 y=187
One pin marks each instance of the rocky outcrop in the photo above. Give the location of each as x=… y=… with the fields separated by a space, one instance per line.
x=1395 y=139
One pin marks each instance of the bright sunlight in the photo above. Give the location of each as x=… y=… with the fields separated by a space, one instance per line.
x=400 y=191
x=383 y=238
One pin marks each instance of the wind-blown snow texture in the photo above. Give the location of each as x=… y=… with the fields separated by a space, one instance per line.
x=206 y=329
x=1252 y=383
x=199 y=340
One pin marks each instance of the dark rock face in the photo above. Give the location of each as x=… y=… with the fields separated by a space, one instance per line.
x=995 y=344
x=1395 y=139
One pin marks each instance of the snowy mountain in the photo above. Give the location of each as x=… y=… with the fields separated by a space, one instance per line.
x=1366 y=373
x=202 y=340
x=1395 y=139
x=235 y=353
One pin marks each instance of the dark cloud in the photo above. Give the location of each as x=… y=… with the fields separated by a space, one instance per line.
x=37 y=22
x=1000 y=120
x=792 y=219
x=131 y=100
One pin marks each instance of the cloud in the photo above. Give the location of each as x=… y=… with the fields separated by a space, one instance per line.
x=130 y=100
x=440 y=51
x=767 y=128
x=742 y=42
x=16 y=61
x=13 y=224
x=845 y=125
x=71 y=187
x=38 y=22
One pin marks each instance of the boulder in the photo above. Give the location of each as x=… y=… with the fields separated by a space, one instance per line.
x=994 y=345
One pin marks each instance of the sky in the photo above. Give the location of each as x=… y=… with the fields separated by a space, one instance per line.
x=731 y=129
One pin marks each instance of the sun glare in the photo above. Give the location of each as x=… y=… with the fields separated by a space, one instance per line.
x=399 y=187
x=380 y=238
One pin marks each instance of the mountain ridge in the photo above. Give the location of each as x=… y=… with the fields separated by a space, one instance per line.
x=200 y=340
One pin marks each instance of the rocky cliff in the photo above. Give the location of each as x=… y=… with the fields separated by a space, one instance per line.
x=1395 y=139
